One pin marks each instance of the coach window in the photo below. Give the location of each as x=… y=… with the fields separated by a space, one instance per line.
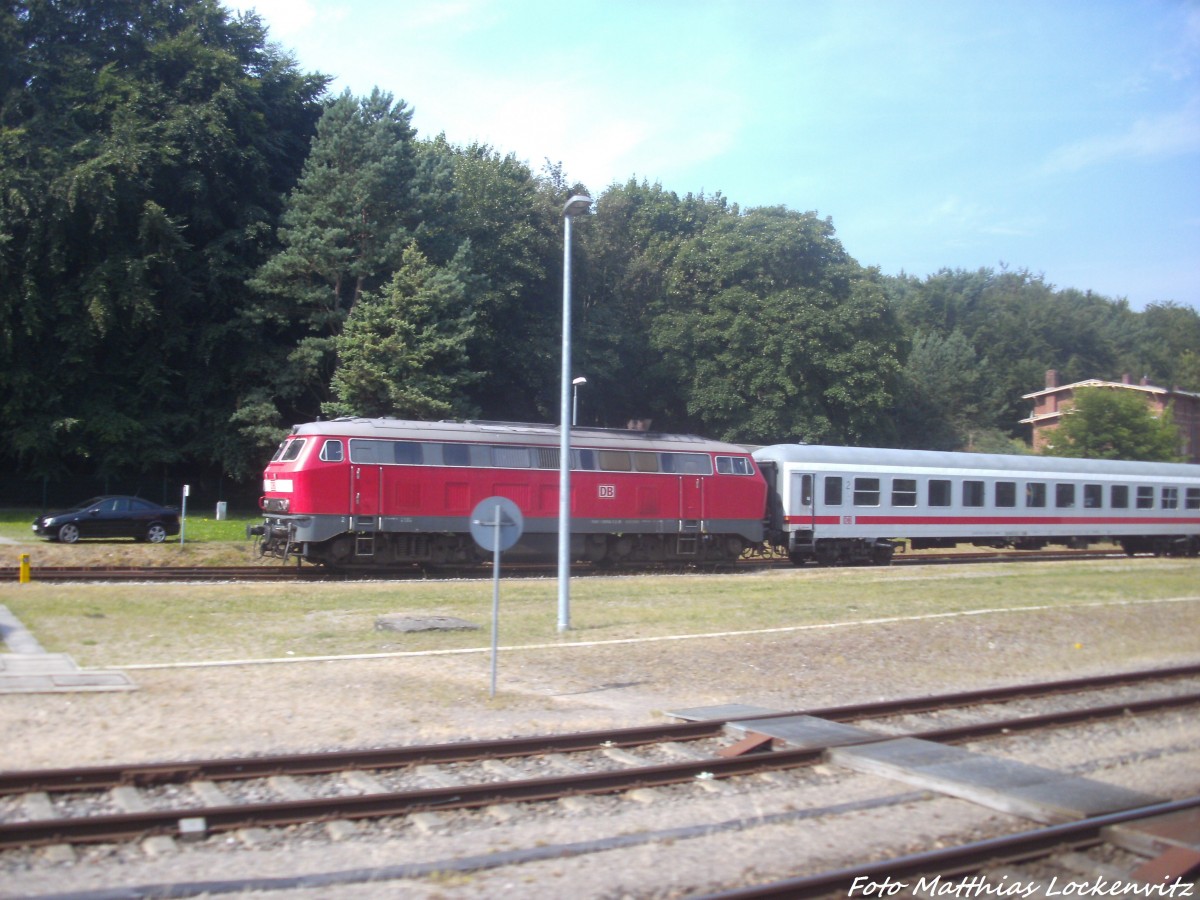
x=833 y=490
x=973 y=493
x=1035 y=494
x=1064 y=495
x=332 y=451
x=293 y=450
x=904 y=492
x=1118 y=496
x=1093 y=496
x=1006 y=493
x=939 y=492
x=1145 y=497
x=1192 y=498
x=1170 y=498
x=866 y=491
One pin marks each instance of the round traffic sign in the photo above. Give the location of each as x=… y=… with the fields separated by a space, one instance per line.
x=484 y=523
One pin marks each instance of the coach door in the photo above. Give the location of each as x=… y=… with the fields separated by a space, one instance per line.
x=801 y=511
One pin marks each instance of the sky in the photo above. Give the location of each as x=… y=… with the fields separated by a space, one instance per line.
x=1062 y=137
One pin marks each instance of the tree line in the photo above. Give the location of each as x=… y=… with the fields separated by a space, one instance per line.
x=199 y=247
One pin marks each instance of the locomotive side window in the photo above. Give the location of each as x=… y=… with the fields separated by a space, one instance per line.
x=455 y=455
x=405 y=453
x=1006 y=493
x=547 y=457
x=1145 y=497
x=293 y=450
x=833 y=490
x=332 y=451
x=1035 y=494
x=584 y=460
x=866 y=491
x=904 y=492
x=1192 y=500
x=1093 y=496
x=645 y=462
x=1170 y=498
x=686 y=463
x=1118 y=496
x=1064 y=495
x=973 y=493
x=615 y=461
x=506 y=457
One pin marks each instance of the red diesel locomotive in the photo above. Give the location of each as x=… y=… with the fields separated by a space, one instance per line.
x=356 y=492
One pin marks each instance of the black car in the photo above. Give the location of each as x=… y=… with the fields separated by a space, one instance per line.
x=108 y=517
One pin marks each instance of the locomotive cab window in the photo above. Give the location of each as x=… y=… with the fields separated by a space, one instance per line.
x=332 y=451
x=292 y=450
x=1035 y=494
x=1093 y=496
x=1006 y=494
x=1145 y=497
x=1118 y=496
x=833 y=490
x=904 y=492
x=734 y=465
x=939 y=492
x=866 y=491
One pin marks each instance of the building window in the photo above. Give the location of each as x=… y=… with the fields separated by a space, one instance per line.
x=1093 y=496
x=939 y=492
x=1118 y=496
x=1145 y=497
x=904 y=492
x=1006 y=493
x=866 y=491
x=1035 y=494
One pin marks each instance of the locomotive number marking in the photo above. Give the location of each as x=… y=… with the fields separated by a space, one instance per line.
x=606 y=491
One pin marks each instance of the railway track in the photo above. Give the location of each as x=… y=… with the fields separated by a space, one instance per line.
x=123 y=803
x=287 y=573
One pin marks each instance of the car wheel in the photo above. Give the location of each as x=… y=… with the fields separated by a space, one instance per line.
x=156 y=534
x=69 y=533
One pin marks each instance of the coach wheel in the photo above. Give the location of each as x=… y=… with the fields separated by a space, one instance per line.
x=69 y=533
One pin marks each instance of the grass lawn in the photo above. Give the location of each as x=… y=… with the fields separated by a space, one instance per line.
x=125 y=624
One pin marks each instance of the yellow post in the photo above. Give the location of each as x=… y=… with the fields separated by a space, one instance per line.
x=23 y=576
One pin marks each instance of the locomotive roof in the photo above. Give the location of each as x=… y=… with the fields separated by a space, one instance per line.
x=865 y=457
x=514 y=433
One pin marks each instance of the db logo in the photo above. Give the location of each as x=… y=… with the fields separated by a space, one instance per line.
x=606 y=491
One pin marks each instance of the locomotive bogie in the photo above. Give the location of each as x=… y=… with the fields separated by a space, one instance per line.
x=840 y=505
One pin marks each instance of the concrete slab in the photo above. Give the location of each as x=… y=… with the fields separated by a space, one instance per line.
x=805 y=732
x=52 y=673
x=725 y=711
x=1031 y=791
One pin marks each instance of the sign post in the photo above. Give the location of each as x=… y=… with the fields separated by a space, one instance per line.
x=496 y=524
x=187 y=489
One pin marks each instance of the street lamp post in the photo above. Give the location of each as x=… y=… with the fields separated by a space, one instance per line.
x=576 y=206
x=575 y=383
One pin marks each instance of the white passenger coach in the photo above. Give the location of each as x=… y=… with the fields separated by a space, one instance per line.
x=855 y=504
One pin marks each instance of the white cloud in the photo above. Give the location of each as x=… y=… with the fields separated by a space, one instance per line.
x=1157 y=137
